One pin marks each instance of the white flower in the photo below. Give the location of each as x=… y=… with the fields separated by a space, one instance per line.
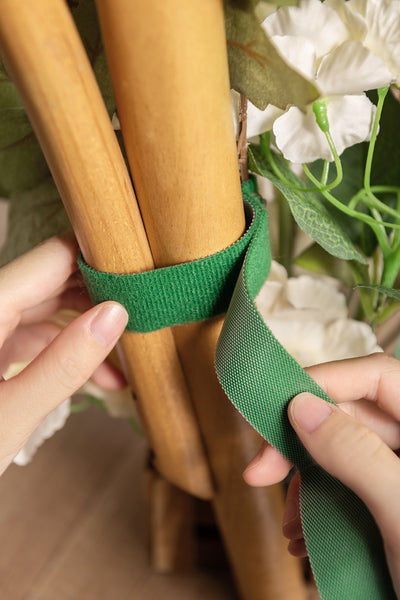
x=52 y=423
x=309 y=317
x=376 y=23
x=315 y=41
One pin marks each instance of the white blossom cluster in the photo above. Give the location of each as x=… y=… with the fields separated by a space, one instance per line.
x=309 y=316
x=345 y=48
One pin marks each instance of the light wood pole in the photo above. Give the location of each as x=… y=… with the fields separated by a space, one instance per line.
x=169 y=71
x=50 y=68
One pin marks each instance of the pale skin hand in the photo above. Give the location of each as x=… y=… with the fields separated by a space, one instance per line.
x=357 y=442
x=32 y=288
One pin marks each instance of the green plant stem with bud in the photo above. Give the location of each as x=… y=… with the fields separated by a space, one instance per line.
x=387 y=233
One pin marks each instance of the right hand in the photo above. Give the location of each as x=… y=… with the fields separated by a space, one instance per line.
x=359 y=447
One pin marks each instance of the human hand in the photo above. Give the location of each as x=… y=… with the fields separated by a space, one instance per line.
x=32 y=289
x=354 y=441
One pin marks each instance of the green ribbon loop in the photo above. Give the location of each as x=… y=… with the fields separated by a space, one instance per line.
x=260 y=378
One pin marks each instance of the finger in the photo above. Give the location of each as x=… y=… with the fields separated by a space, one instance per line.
x=298 y=548
x=62 y=368
x=268 y=467
x=354 y=454
x=375 y=378
x=76 y=299
x=291 y=522
x=32 y=278
x=108 y=377
x=26 y=343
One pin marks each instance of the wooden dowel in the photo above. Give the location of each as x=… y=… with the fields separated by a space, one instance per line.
x=50 y=68
x=169 y=71
x=171 y=529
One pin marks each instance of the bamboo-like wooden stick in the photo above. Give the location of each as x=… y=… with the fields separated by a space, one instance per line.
x=49 y=66
x=169 y=70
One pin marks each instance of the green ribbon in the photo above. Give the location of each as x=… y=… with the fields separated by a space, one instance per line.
x=260 y=378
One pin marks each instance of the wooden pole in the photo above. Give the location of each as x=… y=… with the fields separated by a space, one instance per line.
x=169 y=71
x=50 y=68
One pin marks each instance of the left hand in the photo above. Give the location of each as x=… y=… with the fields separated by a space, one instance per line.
x=32 y=288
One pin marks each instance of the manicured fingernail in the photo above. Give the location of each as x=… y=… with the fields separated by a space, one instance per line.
x=308 y=412
x=108 y=323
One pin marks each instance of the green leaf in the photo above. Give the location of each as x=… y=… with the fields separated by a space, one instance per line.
x=316 y=259
x=256 y=68
x=390 y=292
x=308 y=211
x=34 y=216
x=22 y=164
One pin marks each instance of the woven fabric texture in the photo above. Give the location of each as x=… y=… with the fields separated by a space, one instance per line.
x=260 y=378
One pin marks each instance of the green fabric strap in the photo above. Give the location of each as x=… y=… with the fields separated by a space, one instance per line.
x=184 y=293
x=260 y=378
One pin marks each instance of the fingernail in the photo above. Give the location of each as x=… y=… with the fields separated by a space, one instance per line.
x=108 y=323
x=291 y=512
x=308 y=412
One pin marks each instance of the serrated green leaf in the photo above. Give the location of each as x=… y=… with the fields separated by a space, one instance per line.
x=307 y=209
x=256 y=68
x=22 y=164
x=390 y=292
x=34 y=216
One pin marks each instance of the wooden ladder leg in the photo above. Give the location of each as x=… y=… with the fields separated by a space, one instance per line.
x=169 y=71
x=171 y=531
x=49 y=65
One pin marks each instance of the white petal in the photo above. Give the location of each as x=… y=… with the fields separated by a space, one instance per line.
x=355 y=22
x=352 y=69
x=351 y=119
x=347 y=338
x=307 y=292
x=311 y=20
x=259 y=121
x=382 y=18
x=52 y=423
x=299 y=138
x=119 y=403
x=298 y=52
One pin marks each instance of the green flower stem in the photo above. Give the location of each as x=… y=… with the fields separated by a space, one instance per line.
x=325 y=173
x=365 y=296
x=385 y=313
x=374 y=224
x=372 y=201
x=367 y=173
x=266 y=148
x=286 y=234
x=338 y=162
x=391 y=268
x=396 y=234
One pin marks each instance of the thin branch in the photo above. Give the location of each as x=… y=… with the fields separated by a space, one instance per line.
x=242 y=139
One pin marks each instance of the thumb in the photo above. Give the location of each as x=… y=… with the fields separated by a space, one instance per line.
x=61 y=369
x=356 y=455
